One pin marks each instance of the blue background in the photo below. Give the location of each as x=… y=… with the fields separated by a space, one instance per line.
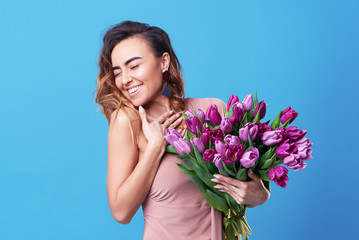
x=53 y=142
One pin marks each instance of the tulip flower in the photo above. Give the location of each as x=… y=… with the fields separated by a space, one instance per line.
x=217 y=160
x=286 y=148
x=236 y=116
x=193 y=125
x=262 y=127
x=249 y=127
x=232 y=100
x=189 y=113
x=279 y=175
x=288 y=114
x=208 y=155
x=304 y=150
x=200 y=114
x=233 y=153
x=247 y=103
x=295 y=134
x=216 y=135
x=250 y=157
x=226 y=125
x=294 y=162
x=172 y=135
x=232 y=140
x=220 y=147
x=206 y=135
x=182 y=146
x=198 y=143
x=213 y=115
x=263 y=107
x=270 y=138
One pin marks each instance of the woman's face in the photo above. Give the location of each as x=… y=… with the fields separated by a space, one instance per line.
x=138 y=73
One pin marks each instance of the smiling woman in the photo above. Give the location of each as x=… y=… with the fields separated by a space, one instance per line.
x=137 y=62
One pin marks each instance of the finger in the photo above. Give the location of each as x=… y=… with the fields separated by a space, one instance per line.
x=253 y=176
x=176 y=123
x=233 y=194
x=165 y=116
x=172 y=119
x=223 y=179
x=142 y=114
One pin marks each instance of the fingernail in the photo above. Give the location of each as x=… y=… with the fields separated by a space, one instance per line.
x=217 y=186
x=250 y=171
x=170 y=112
x=180 y=119
x=141 y=110
x=216 y=176
x=177 y=115
x=214 y=180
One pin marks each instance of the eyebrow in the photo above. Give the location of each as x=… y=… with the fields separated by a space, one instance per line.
x=127 y=62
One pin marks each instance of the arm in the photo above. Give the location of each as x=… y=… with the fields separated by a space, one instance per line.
x=130 y=176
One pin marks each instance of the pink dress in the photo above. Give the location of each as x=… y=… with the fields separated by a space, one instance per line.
x=174 y=207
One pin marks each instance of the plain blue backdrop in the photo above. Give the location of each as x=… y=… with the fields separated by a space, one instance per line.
x=53 y=141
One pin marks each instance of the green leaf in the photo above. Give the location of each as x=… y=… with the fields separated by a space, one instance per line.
x=264 y=157
x=203 y=174
x=250 y=141
x=286 y=123
x=199 y=158
x=230 y=112
x=255 y=102
x=267 y=163
x=229 y=171
x=276 y=122
x=223 y=172
x=257 y=118
x=218 y=199
x=171 y=149
x=242 y=174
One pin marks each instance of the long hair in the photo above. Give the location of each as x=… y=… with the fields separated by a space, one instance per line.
x=108 y=95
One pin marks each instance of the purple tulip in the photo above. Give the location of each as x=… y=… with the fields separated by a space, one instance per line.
x=200 y=114
x=172 y=135
x=208 y=155
x=263 y=107
x=270 y=138
x=304 y=150
x=182 y=146
x=236 y=116
x=217 y=160
x=232 y=140
x=295 y=134
x=294 y=162
x=283 y=132
x=206 y=135
x=216 y=135
x=220 y=147
x=248 y=103
x=251 y=128
x=232 y=100
x=189 y=113
x=198 y=143
x=213 y=115
x=233 y=153
x=193 y=124
x=287 y=114
x=279 y=175
x=250 y=157
x=262 y=127
x=286 y=148
x=226 y=125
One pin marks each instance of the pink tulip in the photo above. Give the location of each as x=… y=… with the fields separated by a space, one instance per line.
x=294 y=162
x=182 y=146
x=198 y=143
x=251 y=128
x=270 y=138
x=226 y=125
x=213 y=115
x=208 y=155
x=304 y=151
x=287 y=114
x=250 y=157
x=232 y=100
x=263 y=107
x=233 y=153
x=247 y=103
x=286 y=148
x=279 y=175
x=295 y=134
x=232 y=140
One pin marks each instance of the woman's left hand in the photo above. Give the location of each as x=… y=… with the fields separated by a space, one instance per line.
x=252 y=193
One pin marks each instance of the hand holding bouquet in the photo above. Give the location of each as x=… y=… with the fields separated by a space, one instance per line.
x=235 y=144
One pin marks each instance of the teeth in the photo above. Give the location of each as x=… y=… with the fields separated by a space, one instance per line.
x=132 y=90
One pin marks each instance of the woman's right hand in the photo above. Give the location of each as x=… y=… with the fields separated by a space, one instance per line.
x=155 y=131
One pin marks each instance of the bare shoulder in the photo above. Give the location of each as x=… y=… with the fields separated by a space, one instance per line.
x=124 y=115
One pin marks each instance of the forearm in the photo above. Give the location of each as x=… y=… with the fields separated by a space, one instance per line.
x=134 y=190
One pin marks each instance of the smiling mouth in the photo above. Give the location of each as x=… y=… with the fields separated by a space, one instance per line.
x=134 y=90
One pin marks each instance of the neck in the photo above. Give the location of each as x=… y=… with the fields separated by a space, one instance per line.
x=157 y=107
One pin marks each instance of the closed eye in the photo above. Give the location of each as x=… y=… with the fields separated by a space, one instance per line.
x=134 y=67
x=118 y=74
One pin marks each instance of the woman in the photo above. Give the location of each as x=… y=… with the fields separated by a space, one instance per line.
x=137 y=63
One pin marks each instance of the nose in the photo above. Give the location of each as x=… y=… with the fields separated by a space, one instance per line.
x=126 y=78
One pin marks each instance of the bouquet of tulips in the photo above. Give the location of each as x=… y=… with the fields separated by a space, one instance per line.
x=234 y=144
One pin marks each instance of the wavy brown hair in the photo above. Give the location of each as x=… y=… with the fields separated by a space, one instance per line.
x=108 y=95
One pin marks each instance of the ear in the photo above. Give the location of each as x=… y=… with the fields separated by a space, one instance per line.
x=165 y=61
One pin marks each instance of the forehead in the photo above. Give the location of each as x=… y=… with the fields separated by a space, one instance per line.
x=128 y=48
